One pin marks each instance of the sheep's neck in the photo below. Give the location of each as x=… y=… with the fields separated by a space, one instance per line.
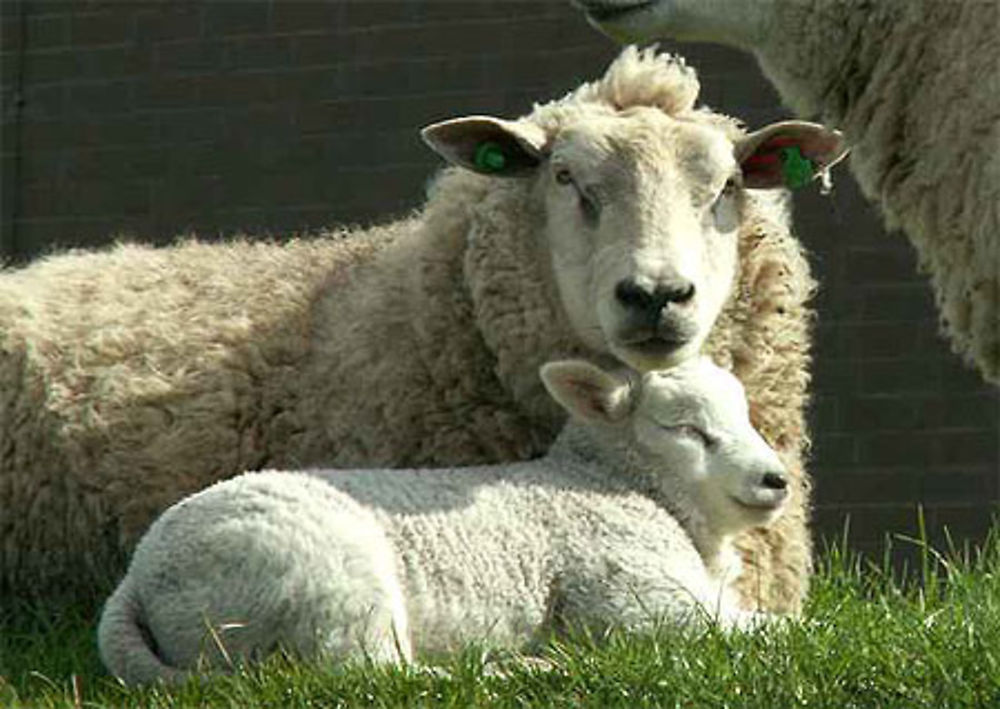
x=604 y=451
x=815 y=83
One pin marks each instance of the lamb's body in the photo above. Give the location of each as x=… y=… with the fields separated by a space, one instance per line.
x=390 y=564
x=915 y=86
x=459 y=557
x=132 y=377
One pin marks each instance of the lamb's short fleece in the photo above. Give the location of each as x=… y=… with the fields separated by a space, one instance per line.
x=626 y=521
x=132 y=377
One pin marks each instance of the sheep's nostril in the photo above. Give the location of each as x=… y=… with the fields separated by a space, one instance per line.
x=632 y=296
x=775 y=481
x=681 y=294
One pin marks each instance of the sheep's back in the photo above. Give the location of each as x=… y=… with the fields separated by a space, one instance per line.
x=133 y=376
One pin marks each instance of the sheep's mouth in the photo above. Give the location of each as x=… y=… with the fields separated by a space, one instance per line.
x=603 y=13
x=654 y=345
x=760 y=507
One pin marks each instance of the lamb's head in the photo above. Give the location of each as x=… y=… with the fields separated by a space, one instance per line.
x=689 y=429
x=642 y=202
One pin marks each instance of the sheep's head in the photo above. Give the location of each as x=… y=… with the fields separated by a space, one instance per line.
x=643 y=211
x=691 y=425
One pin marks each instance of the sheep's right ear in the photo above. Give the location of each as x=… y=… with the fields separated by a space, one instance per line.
x=586 y=391
x=489 y=146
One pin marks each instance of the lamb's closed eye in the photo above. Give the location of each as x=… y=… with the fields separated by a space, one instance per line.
x=692 y=431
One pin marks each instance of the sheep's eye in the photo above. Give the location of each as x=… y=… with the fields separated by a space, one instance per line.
x=729 y=189
x=693 y=432
x=564 y=176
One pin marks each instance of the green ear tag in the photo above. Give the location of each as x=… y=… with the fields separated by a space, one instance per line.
x=489 y=157
x=796 y=169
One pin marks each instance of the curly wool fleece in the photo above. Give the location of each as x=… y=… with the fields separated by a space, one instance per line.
x=132 y=377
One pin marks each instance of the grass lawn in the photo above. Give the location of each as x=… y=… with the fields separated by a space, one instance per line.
x=867 y=640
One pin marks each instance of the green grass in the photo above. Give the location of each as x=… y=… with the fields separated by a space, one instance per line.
x=868 y=639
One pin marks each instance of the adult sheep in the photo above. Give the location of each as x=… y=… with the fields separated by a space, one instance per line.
x=616 y=223
x=915 y=86
x=627 y=521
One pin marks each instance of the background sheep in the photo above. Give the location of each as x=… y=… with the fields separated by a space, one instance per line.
x=916 y=88
x=133 y=377
x=626 y=521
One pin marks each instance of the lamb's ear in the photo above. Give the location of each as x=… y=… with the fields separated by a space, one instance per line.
x=490 y=146
x=587 y=391
x=788 y=154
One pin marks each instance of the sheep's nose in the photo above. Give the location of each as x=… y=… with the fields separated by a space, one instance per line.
x=633 y=296
x=774 y=481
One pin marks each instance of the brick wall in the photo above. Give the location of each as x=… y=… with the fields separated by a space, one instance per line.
x=151 y=118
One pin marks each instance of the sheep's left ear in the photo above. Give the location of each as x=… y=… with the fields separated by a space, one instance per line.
x=586 y=391
x=788 y=154
x=487 y=145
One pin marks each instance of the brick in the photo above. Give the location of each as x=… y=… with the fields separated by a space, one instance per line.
x=188 y=56
x=884 y=339
x=127 y=162
x=190 y=125
x=318 y=49
x=307 y=17
x=98 y=28
x=910 y=303
x=238 y=89
x=168 y=92
x=961 y=447
x=46 y=32
x=895 y=449
x=224 y=19
x=958 y=487
x=257 y=53
x=171 y=21
x=182 y=199
x=113 y=97
x=376 y=15
x=49 y=66
x=865 y=486
x=833 y=450
x=979 y=409
x=912 y=375
x=43 y=102
x=886 y=263
x=887 y=412
x=313 y=85
x=104 y=131
x=109 y=197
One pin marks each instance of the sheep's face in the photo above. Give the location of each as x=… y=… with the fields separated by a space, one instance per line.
x=690 y=427
x=642 y=214
x=694 y=418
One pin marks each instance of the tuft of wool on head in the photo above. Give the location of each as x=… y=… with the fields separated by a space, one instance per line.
x=638 y=77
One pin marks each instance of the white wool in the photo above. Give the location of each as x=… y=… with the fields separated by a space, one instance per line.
x=133 y=376
x=623 y=523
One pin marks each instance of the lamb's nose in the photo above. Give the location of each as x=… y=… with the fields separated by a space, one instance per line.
x=633 y=296
x=774 y=481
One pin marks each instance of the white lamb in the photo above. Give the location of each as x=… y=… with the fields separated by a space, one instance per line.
x=626 y=521
x=915 y=86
